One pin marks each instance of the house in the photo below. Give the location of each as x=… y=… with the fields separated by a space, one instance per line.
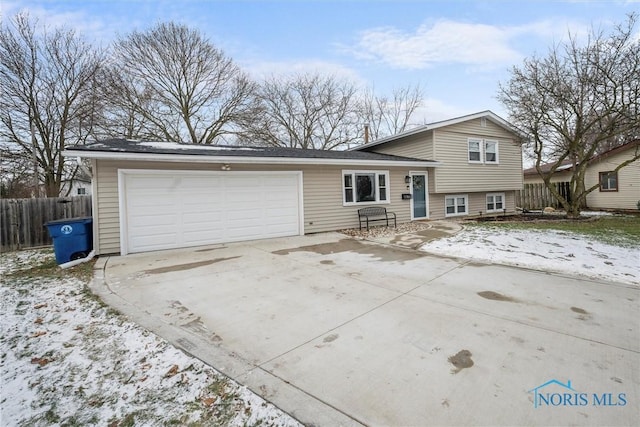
x=158 y=195
x=617 y=190
x=80 y=185
x=480 y=168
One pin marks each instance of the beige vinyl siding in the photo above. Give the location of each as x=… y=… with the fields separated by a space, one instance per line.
x=458 y=175
x=477 y=204
x=475 y=128
x=322 y=189
x=418 y=146
x=628 y=193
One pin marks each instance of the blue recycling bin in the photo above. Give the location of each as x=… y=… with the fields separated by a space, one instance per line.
x=72 y=238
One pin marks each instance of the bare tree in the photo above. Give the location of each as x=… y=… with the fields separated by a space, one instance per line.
x=16 y=179
x=390 y=115
x=305 y=111
x=170 y=83
x=47 y=83
x=574 y=100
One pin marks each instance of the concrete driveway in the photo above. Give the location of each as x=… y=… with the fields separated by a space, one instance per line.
x=338 y=331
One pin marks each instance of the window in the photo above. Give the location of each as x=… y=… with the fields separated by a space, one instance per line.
x=365 y=187
x=475 y=151
x=482 y=151
x=608 y=181
x=456 y=205
x=495 y=202
x=81 y=191
x=490 y=151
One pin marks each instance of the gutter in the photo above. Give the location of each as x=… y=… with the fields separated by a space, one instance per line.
x=190 y=158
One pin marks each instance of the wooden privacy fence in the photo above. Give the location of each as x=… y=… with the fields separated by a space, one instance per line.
x=22 y=220
x=538 y=196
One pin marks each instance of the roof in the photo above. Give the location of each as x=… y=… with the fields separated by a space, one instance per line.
x=126 y=149
x=435 y=125
x=567 y=165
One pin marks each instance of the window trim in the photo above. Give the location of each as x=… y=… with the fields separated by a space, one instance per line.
x=608 y=190
x=486 y=202
x=377 y=173
x=482 y=145
x=455 y=197
x=480 y=142
x=497 y=160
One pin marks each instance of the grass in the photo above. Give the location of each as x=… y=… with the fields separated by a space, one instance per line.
x=48 y=268
x=618 y=230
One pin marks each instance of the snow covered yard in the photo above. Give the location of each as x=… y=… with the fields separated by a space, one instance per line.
x=67 y=359
x=548 y=250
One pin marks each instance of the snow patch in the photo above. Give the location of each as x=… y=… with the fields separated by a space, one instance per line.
x=548 y=250
x=177 y=146
x=69 y=360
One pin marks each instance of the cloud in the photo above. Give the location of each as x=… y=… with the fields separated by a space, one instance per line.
x=445 y=41
x=476 y=46
x=434 y=110
x=90 y=27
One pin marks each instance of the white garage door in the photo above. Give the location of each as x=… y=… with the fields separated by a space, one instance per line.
x=166 y=210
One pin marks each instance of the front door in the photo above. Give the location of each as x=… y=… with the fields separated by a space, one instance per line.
x=418 y=196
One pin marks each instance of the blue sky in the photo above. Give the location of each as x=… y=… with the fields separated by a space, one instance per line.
x=457 y=51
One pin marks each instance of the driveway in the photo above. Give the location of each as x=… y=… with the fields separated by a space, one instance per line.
x=338 y=331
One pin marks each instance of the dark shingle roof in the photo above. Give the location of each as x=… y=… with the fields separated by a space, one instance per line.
x=146 y=147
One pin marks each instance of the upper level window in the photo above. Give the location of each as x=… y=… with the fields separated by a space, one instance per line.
x=608 y=181
x=475 y=151
x=490 y=151
x=482 y=151
x=365 y=187
x=82 y=191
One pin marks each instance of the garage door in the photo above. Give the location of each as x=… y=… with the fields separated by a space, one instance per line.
x=181 y=209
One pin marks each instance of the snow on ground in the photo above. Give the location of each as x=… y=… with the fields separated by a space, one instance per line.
x=547 y=250
x=67 y=359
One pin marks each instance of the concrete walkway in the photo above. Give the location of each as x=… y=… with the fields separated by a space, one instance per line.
x=338 y=331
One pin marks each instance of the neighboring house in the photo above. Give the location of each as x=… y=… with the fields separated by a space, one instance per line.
x=80 y=185
x=617 y=190
x=481 y=165
x=157 y=195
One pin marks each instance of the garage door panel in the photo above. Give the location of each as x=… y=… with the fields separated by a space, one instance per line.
x=154 y=241
x=195 y=238
x=147 y=221
x=167 y=210
x=159 y=201
x=203 y=217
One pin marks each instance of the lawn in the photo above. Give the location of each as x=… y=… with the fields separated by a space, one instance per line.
x=603 y=248
x=68 y=359
x=618 y=230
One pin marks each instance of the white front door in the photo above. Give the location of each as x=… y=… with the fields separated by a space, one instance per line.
x=175 y=209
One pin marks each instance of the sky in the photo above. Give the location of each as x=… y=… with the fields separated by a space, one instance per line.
x=457 y=51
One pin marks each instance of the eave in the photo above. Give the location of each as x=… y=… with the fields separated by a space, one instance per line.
x=190 y=158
